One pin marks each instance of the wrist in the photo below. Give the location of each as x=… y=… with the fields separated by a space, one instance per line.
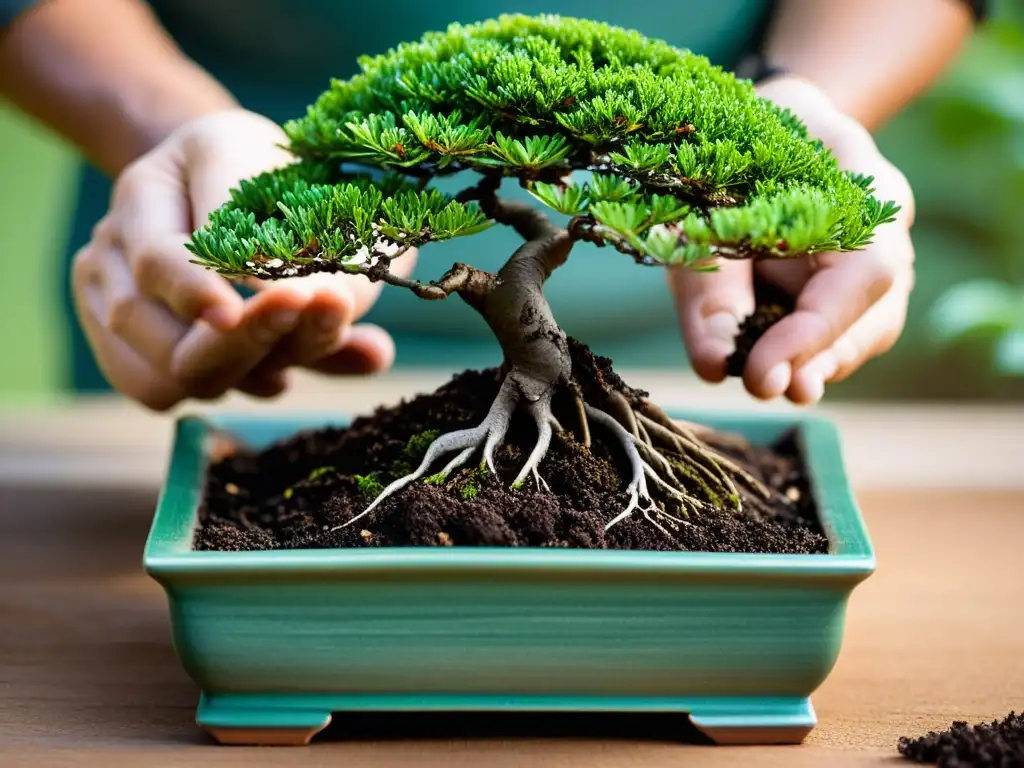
x=105 y=76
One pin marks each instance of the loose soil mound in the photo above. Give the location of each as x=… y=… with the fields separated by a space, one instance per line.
x=297 y=493
x=999 y=744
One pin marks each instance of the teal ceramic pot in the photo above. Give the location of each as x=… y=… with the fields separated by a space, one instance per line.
x=279 y=641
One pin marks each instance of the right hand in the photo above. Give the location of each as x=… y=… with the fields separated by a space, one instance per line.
x=163 y=329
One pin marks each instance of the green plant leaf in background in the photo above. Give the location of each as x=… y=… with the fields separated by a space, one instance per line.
x=983 y=313
x=1010 y=353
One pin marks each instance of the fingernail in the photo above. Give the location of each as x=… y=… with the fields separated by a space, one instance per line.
x=283 y=320
x=722 y=326
x=778 y=378
x=328 y=321
x=815 y=388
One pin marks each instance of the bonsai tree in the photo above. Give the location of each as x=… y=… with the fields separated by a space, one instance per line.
x=687 y=165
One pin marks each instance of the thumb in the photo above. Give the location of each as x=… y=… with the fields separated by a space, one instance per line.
x=710 y=307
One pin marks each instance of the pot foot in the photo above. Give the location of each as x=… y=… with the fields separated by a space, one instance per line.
x=260 y=720
x=264 y=737
x=756 y=722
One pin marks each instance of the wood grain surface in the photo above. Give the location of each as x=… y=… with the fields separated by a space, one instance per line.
x=88 y=676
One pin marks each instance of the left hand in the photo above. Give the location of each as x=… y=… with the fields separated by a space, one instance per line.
x=850 y=307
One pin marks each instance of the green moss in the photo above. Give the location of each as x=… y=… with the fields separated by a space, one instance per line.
x=413 y=452
x=436 y=479
x=470 y=490
x=672 y=139
x=417 y=446
x=320 y=472
x=690 y=471
x=369 y=485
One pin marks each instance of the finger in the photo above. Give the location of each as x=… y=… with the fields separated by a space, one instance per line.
x=833 y=299
x=146 y=326
x=871 y=336
x=710 y=307
x=266 y=385
x=155 y=223
x=209 y=362
x=321 y=331
x=119 y=363
x=365 y=349
x=368 y=349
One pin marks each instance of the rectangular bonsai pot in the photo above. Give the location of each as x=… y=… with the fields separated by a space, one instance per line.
x=280 y=640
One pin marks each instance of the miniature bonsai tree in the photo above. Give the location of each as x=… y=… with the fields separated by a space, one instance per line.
x=687 y=165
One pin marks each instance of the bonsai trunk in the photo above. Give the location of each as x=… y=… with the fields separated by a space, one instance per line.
x=684 y=470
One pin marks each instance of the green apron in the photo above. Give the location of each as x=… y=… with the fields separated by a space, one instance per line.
x=276 y=56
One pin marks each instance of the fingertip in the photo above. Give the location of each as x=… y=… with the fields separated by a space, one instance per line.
x=270 y=302
x=373 y=345
x=807 y=388
x=333 y=308
x=368 y=349
x=772 y=384
x=266 y=385
x=222 y=317
x=709 y=360
x=808 y=385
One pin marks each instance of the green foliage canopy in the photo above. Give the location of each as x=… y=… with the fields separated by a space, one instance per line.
x=686 y=161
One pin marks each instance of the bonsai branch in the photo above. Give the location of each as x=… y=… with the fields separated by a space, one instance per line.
x=585 y=228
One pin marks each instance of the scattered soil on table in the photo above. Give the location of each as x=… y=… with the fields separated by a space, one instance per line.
x=999 y=744
x=772 y=304
x=297 y=493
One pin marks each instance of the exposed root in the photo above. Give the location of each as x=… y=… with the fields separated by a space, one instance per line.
x=683 y=440
x=488 y=437
x=673 y=473
x=458 y=461
x=540 y=481
x=584 y=423
x=540 y=410
x=467 y=441
x=656 y=524
x=637 y=488
x=656 y=414
x=685 y=500
x=643 y=435
x=620 y=408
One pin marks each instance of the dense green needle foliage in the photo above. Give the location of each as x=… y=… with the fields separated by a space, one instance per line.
x=685 y=161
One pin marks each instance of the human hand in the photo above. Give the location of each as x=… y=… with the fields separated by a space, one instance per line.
x=164 y=329
x=850 y=307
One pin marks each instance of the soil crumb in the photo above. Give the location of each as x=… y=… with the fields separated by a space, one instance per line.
x=999 y=744
x=772 y=304
x=297 y=493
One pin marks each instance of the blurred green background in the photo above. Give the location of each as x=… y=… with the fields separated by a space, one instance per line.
x=961 y=145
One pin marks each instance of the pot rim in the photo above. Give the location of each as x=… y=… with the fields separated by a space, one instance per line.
x=169 y=554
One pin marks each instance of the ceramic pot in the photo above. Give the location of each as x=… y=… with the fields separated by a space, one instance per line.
x=279 y=641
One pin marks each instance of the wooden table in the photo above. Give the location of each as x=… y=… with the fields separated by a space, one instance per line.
x=88 y=676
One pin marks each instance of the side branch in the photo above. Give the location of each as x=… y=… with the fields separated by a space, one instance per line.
x=586 y=229
x=529 y=222
x=461 y=278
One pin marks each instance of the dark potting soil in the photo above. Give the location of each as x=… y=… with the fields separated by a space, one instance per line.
x=297 y=493
x=999 y=744
x=772 y=304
